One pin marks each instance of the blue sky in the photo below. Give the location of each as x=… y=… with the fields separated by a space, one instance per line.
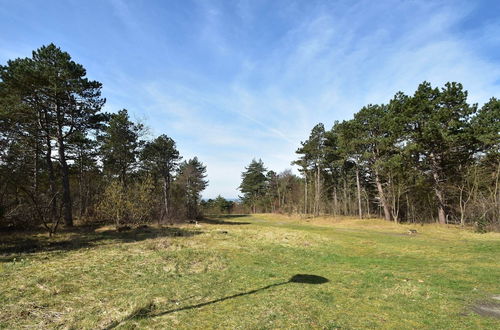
x=236 y=80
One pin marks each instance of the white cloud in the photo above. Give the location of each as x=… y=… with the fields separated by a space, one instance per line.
x=324 y=70
x=310 y=62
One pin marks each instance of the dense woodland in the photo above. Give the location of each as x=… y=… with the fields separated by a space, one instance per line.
x=62 y=158
x=426 y=157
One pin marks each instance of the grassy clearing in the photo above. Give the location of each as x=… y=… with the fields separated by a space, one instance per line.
x=234 y=272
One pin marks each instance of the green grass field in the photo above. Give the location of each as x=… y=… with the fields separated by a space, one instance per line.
x=235 y=272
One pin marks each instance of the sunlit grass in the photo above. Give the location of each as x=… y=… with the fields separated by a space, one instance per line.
x=225 y=275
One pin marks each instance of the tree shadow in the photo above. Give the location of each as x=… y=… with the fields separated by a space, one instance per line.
x=18 y=246
x=220 y=221
x=233 y=216
x=148 y=310
x=307 y=279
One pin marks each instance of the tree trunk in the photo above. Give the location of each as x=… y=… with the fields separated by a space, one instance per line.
x=441 y=211
x=409 y=213
x=395 y=207
x=166 y=190
x=345 y=204
x=438 y=191
x=43 y=124
x=165 y=196
x=123 y=174
x=381 y=195
x=80 y=195
x=367 y=200
x=80 y=187
x=462 y=206
x=305 y=193
x=66 y=193
x=36 y=165
x=52 y=179
x=335 y=201
x=440 y=197
x=279 y=196
x=496 y=193
x=358 y=186
x=317 y=192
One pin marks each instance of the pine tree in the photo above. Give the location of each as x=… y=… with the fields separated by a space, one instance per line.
x=55 y=97
x=192 y=181
x=160 y=157
x=120 y=146
x=253 y=183
x=313 y=160
x=439 y=133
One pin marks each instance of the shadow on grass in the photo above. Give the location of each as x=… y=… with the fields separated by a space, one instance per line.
x=233 y=215
x=17 y=246
x=148 y=310
x=219 y=221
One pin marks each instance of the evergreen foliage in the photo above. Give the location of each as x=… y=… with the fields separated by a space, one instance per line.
x=54 y=137
x=430 y=156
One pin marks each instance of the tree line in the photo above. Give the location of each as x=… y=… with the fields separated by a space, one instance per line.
x=426 y=157
x=62 y=157
x=218 y=206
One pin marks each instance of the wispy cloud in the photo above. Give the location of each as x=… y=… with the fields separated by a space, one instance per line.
x=332 y=61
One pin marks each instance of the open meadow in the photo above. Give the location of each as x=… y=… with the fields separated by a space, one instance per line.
x=259 y=271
